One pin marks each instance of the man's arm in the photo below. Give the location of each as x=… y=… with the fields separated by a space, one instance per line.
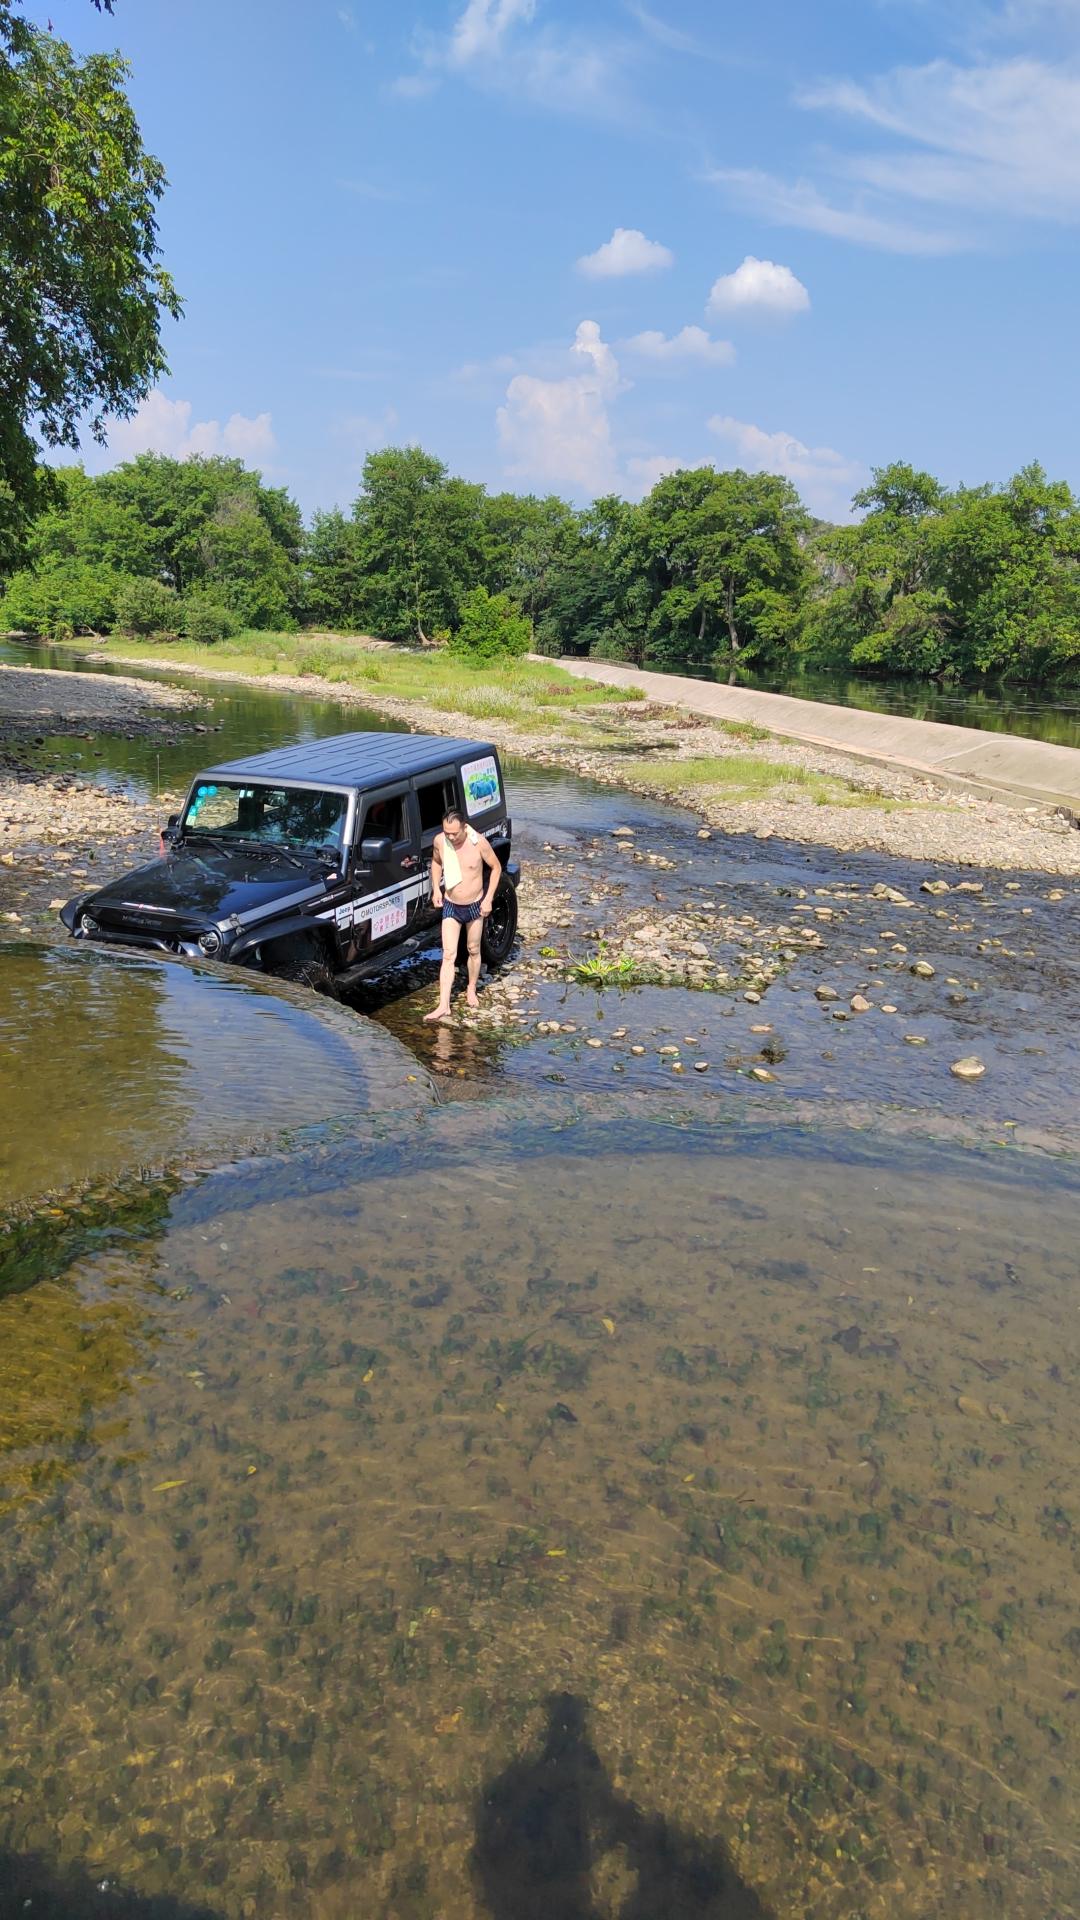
x=490 y=860
x=436 y=871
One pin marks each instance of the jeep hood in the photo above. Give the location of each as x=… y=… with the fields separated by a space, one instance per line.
x=205 y=884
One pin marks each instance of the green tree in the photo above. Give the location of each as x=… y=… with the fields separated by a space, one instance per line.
x=420 y=543
x=177 y=501
x=879 y=599
x=84 y=292
x=711 y=563
x=1009 y=565
x=333 y=571
x=245 y=567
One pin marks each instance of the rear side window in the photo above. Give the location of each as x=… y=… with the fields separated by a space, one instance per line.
x=434 y=797
x=387 y=819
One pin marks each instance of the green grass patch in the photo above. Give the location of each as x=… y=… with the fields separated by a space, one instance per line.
x=745 y=776
x=527 y=693
x=746 y=730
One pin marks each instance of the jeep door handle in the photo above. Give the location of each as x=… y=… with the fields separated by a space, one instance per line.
x=410 y=860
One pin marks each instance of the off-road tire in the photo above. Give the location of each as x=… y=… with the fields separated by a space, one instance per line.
x=499 y=929
x=298 y=959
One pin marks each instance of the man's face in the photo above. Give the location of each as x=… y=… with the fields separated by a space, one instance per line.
x=455 y=832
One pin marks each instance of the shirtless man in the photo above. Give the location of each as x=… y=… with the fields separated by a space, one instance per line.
x=458 y=859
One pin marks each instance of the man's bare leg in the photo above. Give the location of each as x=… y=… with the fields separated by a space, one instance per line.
x=451 y=933
x=476 y=928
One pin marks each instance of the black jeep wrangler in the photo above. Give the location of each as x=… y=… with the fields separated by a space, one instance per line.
x=312 y=862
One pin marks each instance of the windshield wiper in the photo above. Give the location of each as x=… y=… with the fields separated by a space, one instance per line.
x=198 y=838
x=272 y=847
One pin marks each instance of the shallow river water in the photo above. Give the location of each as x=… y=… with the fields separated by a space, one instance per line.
x=554 y=1510
x=550 y=1489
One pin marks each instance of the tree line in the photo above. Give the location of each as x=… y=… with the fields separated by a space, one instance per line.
x=714 y=568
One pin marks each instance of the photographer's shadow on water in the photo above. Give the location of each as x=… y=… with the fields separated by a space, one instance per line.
x=556 y=1840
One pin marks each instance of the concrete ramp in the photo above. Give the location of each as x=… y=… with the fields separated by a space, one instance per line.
x=1023 y=770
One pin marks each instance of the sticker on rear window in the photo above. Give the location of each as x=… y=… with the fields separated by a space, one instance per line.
x=481 y=782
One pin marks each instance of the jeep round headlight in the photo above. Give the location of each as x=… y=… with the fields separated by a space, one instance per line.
x=88 y=926
x=210 y=941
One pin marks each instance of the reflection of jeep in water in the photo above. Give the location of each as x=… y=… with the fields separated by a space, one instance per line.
x=312 y=862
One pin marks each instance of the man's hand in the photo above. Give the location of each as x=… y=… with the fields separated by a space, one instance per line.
x=485 y=908
x=436 y=897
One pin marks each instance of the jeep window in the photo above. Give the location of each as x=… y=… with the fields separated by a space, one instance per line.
x=387 y=820
x=434 y=797
x=289 y=816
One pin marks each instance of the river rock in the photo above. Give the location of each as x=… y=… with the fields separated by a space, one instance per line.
x=826 y=993
x=859 y=1003
x=970 y=1068
x=923 y=970
x=761 y=1073
x=935 y=886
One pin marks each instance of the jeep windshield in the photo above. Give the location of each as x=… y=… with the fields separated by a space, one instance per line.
x=254 y=814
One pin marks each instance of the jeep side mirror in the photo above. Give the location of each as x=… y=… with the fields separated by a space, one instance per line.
x=170 y=831
x=373 y=852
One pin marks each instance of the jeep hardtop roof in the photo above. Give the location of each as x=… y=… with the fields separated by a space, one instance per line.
x=352 y=759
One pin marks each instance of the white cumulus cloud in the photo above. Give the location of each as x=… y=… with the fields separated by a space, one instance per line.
x=759 y=287
x=689 y=345
x=644 y=470
x=481 y=29
x=558 y=432
x=627 y=251
x=161 y=425
x=826 y=479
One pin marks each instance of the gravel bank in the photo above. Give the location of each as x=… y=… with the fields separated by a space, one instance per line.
x=43 y=699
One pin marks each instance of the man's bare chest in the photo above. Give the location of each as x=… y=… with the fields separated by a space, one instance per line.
x=472 y=868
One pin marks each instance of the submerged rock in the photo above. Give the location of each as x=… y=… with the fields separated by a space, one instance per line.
x=970 y=1068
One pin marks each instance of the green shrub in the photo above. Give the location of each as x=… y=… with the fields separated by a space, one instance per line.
x=207 y=620
x=63 y=597
x=145 y=607
x=492 y=628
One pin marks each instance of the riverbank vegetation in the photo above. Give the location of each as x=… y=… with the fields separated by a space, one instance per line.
x=526 y=693
x=713 y=569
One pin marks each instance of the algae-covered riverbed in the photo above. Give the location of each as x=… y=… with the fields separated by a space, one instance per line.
x=705 y=1430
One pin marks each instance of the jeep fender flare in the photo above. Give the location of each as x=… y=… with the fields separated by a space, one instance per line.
x=288 y=924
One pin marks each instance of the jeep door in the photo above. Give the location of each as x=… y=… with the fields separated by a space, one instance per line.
x=435 y=792
x=387 y=891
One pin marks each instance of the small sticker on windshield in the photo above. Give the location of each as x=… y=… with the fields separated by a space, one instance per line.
x=481 y=782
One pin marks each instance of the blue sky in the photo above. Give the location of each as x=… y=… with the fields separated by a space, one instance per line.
x=569 y=244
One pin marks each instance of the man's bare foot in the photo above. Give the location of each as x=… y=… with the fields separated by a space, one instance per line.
x=471 y=999
x=440 y=1013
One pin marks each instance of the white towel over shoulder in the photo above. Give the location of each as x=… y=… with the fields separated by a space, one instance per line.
x=451 y=865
